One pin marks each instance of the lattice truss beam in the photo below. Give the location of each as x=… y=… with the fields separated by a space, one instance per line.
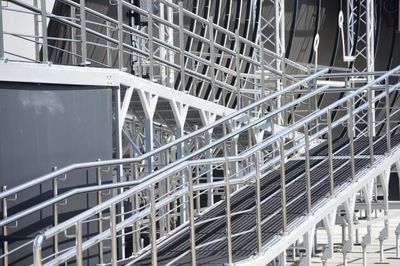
x=361 y=34
x=272 y=29
x=361 y=44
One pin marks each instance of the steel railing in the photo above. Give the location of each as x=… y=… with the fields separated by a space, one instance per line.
x=240 y=124
x=287 y=149
x=271 y=153
x=223 y=81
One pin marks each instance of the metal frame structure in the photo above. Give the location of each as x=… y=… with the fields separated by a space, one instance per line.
x=361 y=34
x=172 y=170
x=360 y=180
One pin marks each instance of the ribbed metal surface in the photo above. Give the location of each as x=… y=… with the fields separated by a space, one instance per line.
x=245 y=245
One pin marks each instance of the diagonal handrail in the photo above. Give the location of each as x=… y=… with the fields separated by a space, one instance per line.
x=270 y=140
x=219 y=122
x=59 y=198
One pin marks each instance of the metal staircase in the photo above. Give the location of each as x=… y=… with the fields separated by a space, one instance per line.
x=223 y=154
x=284 y=185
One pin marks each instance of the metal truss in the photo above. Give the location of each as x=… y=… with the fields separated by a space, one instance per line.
x=159 y=191
x=254 y=163
x=155 y=50
x=361 y=34
x=149 y=94
x=361 y=42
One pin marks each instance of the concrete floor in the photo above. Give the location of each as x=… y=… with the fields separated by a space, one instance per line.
x=373 y=253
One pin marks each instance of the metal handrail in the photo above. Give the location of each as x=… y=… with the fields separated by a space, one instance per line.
x=70 y=193
x=218 y=122
x=184 y=165
x=130 y=30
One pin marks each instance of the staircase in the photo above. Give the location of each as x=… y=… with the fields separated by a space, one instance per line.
x=220 y=157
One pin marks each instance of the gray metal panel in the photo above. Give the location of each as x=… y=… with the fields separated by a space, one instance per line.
x=50 y=125
x=44 y=126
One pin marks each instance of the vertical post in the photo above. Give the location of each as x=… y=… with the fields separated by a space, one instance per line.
x=350 y=12
x=78 y=237
x=212 y=59
x=370 y=31
x=100 y=215
x=161 y=188
x=181 y=46
x=330 y=153
x=364 y=252
x=397 y=244
x=153 y=228
x=258 y=202
x=74 y=39
x=4 y=229
x=149 y=129
x=113 y=228
x=121 y=33
x=37 y=249
x=197 y=174
x=387 y=112
x=280 y=46
x=168 y=188
x=170 y=40
x=283 y=183
x=118 y=153
x=1 y=33
x=234 y=152
x=136 y=206
x=45 y=51
x=381 y=255
x=191 y=216
x=180 y=154
x=307 y=167
x=262 y=70
x=55 y=211
x=350 y=133
x=237 y=62
x=163 y=50
x=151 y=44
x=370 y=28
x=36 y=32
x=370 y=126
x=83 y=33
x=227 y=201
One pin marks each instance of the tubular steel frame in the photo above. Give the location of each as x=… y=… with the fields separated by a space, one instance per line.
x=243 y=166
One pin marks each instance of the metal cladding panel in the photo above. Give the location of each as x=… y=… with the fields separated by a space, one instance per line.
x=44 y=126
x=51 y=125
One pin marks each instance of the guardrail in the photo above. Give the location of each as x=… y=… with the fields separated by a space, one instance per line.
x=260 y=158
x=240 y=124
x=220 y=82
